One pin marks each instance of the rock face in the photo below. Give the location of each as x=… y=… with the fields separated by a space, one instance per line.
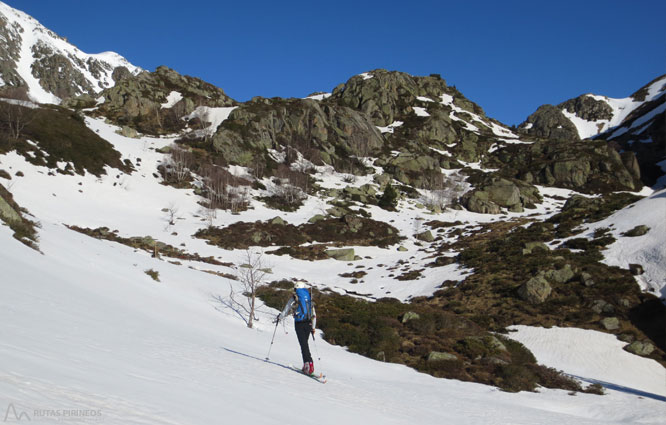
x=588 y=166
x=141 y=101
x=321 y=132
x=386 y=96
x=588 y=108
x=535 y=290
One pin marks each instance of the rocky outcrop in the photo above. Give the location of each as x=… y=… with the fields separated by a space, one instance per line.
x=140 y=101
x=587 y=166
x=496 y=193
x=58 y=75
x=321 y=132
x=386 y=96
x=550 y=123
x=588 y=108
x=10 y=42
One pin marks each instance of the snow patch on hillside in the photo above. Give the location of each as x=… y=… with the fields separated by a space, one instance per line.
x=592 y=356
x=648 y=250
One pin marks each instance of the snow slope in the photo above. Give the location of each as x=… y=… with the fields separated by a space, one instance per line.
x=648 y=250
x=97 y=69
x=594 y=357
x=85 y=329
x=621 y=109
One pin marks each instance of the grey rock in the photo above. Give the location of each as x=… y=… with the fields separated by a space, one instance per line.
x=530 y=247
x=425 y=236
x=601 y=306
x=345 y=254
x=640 y=348
x=637 y=231
x=436 y=356
x=562 y=275
x=587 y=279
x=316 y=218
x=610 y=323
x=535 y=290
x=278 y=221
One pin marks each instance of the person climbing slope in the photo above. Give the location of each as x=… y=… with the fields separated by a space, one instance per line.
x=305 y=321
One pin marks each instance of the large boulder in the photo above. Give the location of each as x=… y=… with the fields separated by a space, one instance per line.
x=640 y=348
x=536 y=290
x=496 y=193
x=346 y=254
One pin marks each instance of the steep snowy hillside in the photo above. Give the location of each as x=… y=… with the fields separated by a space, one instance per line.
x=48 y=67
x=594 y=115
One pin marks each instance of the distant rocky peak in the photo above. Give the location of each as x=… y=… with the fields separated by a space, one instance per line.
x=388 y=96
x=45 y=66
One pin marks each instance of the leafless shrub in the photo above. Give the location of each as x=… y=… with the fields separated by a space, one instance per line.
x=441 y=190
x=251 y=277
x=178 y=165
x=224 y=190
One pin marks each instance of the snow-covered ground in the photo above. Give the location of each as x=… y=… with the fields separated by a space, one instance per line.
x=594 y=357
x=648 y=250
x=85 y=329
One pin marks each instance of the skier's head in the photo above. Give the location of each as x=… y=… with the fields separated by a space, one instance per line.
x=299 y=284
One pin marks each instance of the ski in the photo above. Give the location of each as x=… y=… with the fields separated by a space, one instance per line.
x=321 y=378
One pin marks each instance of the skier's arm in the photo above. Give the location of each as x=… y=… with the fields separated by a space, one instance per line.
x=286 y=309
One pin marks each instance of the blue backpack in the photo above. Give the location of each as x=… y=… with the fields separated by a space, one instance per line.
x=304 y=307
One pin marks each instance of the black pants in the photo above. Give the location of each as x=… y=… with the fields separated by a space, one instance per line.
x=303 y=330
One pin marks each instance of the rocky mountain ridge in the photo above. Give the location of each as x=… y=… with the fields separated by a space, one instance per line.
x=635 y=123
x=46 y=68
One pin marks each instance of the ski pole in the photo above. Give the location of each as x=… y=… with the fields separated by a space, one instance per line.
x=316 y=349
x=277 y=322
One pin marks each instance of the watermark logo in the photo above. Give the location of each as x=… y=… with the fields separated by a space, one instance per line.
x=12 y=415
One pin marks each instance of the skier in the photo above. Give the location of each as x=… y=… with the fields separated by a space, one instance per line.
x=304 y=321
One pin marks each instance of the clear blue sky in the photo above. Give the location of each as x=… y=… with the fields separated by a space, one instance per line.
x=508 y=56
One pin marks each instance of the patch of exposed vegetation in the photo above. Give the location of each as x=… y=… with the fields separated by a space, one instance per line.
x=13 y=215
x=148 y=244
x=155 y=275
x=58 y=135
x=348 y=230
